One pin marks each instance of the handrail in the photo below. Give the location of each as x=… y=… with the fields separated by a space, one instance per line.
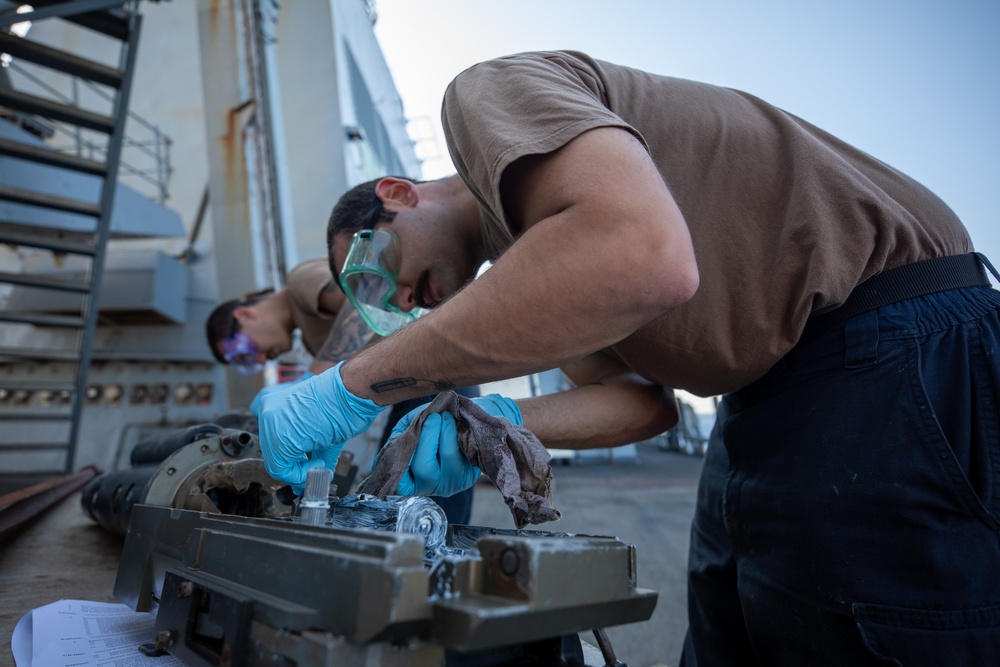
x=156 y=149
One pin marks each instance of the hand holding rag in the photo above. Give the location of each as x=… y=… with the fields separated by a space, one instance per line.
x=506 y=452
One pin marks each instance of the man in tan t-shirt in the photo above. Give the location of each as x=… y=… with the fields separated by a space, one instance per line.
x=649 y=233
x=310 y=301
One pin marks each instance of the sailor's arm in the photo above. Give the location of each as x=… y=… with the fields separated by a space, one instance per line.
x=608 y=407
x=604 y=251
x=348 y=334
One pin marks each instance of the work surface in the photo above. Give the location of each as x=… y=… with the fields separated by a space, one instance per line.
x=648 y=503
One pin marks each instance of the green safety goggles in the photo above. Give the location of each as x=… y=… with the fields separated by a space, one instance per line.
x=369 y=274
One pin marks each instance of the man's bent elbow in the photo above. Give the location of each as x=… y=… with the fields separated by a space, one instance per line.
x=660 y=415
x=668 y=413
x=686 y=283
x=680 y=279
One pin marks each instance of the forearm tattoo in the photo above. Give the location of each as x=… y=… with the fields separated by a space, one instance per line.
x=348 y=335
x=402 y=383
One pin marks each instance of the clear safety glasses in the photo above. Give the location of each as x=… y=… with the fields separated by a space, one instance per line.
x=369 y=276
x=240 y=351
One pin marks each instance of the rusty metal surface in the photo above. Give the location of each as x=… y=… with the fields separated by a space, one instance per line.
x=20 y=507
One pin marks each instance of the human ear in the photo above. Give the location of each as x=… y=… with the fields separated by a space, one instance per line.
x=398 y=191
x=244 y=314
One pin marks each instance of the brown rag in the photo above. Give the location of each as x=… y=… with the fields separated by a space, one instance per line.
x=510 y=455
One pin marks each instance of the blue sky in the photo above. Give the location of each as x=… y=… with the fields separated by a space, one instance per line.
x=916 y=84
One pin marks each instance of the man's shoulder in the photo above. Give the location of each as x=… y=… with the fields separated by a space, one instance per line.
x=316 y=265
x=524 y=63
x=307 y=282
x=310 y=274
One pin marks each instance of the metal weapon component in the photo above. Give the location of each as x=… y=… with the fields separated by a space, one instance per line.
x=210 y=469
x=237 y=578
x=155 y=450
x=422 y=516
x=240 y=590
x=404 y=514
x=315 y=503
x=207 y=467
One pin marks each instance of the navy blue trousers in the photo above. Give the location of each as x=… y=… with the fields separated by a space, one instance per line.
x=849 y=507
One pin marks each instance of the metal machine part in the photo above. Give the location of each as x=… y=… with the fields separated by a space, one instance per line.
x=238 y=590
x=404 y=514
x=156 y=450
x=315 y=503
x=210 y=467
x=206 y=468
x=237 y=576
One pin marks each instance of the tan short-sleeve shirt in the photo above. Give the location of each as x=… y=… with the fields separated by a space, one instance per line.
x=304 y=285
x=785 y=219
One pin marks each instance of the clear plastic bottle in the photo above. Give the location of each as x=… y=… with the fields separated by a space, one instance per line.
x=295 y=362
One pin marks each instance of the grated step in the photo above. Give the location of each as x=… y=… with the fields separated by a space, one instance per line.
x=42 y=200
x=45 y=242
x=59 y=60
x=39 y=320
x=103 y=16
x=56 y=111
x=14 y=354
x=45 y=282
x=22 y=151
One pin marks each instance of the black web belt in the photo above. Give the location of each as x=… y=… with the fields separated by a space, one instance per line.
x=905 y=282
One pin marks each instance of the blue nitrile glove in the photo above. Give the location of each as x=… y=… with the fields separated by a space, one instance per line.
x=438 y=467
x=255 y=404
x=316 y=416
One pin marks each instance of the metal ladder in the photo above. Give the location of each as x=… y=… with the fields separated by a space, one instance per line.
x=118 y=21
